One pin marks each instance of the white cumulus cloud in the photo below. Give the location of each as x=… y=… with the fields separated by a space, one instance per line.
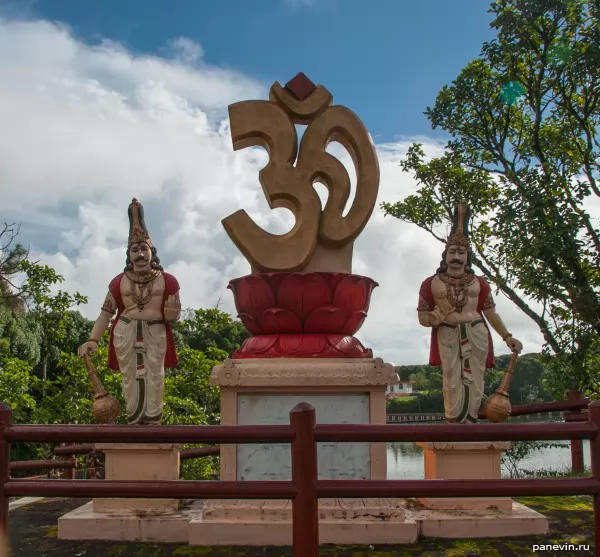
x=186 y=49
x=87 y=127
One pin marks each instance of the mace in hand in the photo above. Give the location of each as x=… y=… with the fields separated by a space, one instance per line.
x=105 y=408
x=497 y=407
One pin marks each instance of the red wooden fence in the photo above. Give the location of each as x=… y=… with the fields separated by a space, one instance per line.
x=304 y=489
x=572 y=407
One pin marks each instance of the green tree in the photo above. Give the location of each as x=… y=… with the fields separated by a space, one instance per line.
x=202 y=329
x=51 y=311
x=11 y=256
x=524 y=153
x=20 y=334
x=77 y=329
x=421 y=381
x=16 y=386
x=527 y=384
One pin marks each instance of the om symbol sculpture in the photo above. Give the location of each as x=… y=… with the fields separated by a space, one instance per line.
x=321 y=240
x=301 y=300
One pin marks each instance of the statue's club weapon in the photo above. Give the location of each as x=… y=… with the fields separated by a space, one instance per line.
x=105 y=408
x=497 y=407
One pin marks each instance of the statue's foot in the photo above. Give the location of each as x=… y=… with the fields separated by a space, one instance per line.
x=152 y=420
x=467 y=420
x=146 y=420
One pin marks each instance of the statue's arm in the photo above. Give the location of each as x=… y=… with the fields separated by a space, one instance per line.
x=428 y=318
x=109 y=307
x=490 y=313
x=496 y=322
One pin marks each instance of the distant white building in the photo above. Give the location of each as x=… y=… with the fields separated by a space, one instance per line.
x=404 y=388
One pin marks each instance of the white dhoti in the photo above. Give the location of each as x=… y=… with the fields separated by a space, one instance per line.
x=463 y=351
x=140 y=347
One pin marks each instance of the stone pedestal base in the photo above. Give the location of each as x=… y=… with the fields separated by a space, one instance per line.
x=168 y=527
x=519 y=520
x=139 y=461
x=464 y=461
x=269 y=523
x=131 y=519
x=342 y=391
x=341 y=521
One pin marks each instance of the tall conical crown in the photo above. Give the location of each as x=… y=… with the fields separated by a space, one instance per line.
x=137 y=227
x=459 y=235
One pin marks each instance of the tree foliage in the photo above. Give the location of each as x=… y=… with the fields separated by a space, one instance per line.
x=50 y=311
x=528 y=167
x=12 y=254
x=202 y=329
x=16 y=386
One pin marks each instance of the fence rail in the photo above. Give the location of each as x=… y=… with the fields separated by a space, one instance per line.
x=304 y=489
x=574 y=405
x=206 y=434
x=175 y=489
x=455 y=432
x=572 y=409
x=71 y=464
x=18 y=465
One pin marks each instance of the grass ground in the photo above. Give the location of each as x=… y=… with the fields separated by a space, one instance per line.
x=33 y=531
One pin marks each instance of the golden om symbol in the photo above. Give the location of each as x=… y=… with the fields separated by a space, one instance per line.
x=270 y=124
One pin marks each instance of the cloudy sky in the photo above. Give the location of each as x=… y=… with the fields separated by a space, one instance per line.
x=101 y=102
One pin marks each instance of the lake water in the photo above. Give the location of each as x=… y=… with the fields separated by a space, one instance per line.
x=405 y=460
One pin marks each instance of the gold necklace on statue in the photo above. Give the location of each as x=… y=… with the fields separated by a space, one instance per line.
x=144 y=281
x=457 y=289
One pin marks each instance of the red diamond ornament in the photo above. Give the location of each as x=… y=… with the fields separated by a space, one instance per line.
x=300 y=86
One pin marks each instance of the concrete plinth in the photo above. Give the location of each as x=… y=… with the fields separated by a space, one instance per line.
x=341 y=521
x=464 y=461
x=357 y=521
x=519 y=520
x=138 y=461
x=131 y=519
x=342 y=391
x=84 y=523
x=269 y=523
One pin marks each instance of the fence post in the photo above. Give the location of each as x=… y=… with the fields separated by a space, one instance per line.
x=594 y=416
x=305 y=506
x=69 y=473
x=5 y=421
x=577 y=464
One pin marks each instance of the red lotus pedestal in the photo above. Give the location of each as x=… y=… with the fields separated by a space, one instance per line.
x=302 y=348
x=302 y=315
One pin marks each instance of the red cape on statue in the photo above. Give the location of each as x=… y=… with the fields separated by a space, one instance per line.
x=171 y=287
x=427 y=295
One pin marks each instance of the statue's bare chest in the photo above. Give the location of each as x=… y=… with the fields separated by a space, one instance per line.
x=143 y=294
x=456 y=293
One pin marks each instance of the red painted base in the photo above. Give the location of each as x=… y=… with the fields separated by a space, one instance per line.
x=302 y=315
x=302 y=346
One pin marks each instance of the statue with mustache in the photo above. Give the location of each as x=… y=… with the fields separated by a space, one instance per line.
x=141 y=346
x=458 y=305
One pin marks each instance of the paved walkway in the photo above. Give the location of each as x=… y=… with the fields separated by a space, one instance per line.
x=33 y=529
